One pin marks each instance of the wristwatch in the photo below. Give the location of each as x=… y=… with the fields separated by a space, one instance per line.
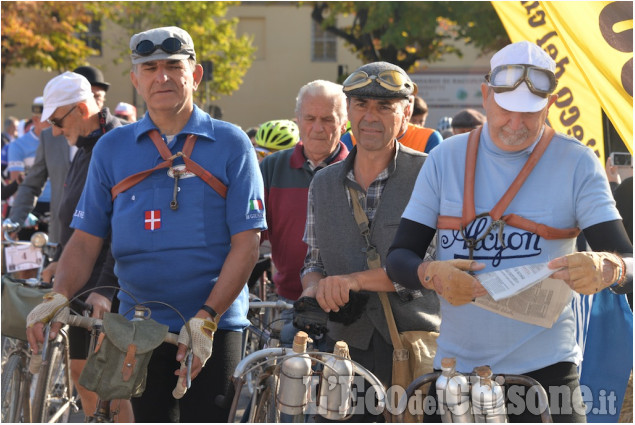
x=212 y=312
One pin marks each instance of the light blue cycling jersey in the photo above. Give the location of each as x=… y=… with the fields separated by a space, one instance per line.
x=567 y=188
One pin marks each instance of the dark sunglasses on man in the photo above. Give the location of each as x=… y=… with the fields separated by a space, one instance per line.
x=169 y=45
x=59 y=122
x=541 y=82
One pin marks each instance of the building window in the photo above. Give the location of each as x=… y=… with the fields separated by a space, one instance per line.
x=92 y=37
x=323 y=45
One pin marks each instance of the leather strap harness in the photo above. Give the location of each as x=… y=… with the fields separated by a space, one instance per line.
x=168 y=159
x=498 y=219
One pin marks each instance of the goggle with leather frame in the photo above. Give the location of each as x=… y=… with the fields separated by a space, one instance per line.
x=389 y=79
x=541 y=82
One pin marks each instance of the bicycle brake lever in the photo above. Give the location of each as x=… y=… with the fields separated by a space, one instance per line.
x=47 y=332
x=188 y=362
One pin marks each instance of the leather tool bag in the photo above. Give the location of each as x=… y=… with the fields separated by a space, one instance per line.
x=413 y=351
x=117 y=368
x=412 y=356
x=17 y=303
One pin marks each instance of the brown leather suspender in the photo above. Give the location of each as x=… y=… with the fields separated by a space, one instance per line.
x=168 y=159
x=469 y=210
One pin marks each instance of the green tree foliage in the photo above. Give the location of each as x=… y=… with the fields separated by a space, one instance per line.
x=405 y=32
x=43 y=35
x=214 y=35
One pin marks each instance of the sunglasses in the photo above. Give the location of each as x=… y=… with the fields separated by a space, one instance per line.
x=59 y=122
x=390 y=80
x=262 y=152
x=504 y=78
x=169 y=45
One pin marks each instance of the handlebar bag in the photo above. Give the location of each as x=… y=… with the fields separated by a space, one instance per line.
x=17 y=303
x=117 y=368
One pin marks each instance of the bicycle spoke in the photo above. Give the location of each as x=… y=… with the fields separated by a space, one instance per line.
x=53 y=399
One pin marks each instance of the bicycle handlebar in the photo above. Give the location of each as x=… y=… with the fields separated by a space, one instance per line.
x=267 y=353
x=90 y=323
x=8 y=227
x=30 y=282
x=80 y=306
x=38 y=239
x=283 y=305
x=543 y=401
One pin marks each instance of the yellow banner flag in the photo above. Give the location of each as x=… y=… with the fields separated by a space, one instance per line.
x=581 y=53
x=601 y=44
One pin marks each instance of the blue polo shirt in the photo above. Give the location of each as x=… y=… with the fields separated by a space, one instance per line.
x=21 y=156
x=174 y=256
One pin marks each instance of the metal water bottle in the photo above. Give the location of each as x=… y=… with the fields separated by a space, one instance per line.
x=488 y=397
x=295 y=374
x=453 y=393
x=335 y=389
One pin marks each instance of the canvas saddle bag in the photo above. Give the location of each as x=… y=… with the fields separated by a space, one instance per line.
x=17 y=302
x=117 y=368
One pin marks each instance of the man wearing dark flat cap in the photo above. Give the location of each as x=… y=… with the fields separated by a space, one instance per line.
x=378 y=174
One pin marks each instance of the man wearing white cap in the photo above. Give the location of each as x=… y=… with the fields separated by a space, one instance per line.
x=559 y=189
x=72 y=109
x=52 y=161
x=186 y=232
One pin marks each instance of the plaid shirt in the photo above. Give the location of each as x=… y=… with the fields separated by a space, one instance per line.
x=369 y=202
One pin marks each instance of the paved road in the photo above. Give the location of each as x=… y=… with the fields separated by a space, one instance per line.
x=244 y=398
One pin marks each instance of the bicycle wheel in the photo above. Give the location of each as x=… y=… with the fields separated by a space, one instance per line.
x=8 y=346
x=13 y=388
x=54 y=390
x=266 y=410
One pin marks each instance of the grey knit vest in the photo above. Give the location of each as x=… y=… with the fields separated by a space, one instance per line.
x=342 y=246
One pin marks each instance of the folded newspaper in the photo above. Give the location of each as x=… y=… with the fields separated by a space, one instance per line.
x=525 y=293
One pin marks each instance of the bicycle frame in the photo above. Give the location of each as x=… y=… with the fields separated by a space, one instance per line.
x=269 y=355
x=54 y=351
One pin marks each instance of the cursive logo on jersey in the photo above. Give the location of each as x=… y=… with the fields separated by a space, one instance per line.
x=514 y=244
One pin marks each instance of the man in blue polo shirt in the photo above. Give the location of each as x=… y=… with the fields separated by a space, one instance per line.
x=186 y=234
x=22 y=156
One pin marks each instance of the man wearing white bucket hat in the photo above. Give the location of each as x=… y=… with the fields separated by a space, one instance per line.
x=487 y=223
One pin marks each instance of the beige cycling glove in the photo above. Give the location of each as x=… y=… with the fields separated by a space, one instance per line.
x=449 y=280
x=586 y=271
x=202 y=341
x=202 y=337
x=55 y=305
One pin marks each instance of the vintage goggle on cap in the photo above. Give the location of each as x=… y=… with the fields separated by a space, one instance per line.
x=166 y=43
x=522 y=77
x=381 y=80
